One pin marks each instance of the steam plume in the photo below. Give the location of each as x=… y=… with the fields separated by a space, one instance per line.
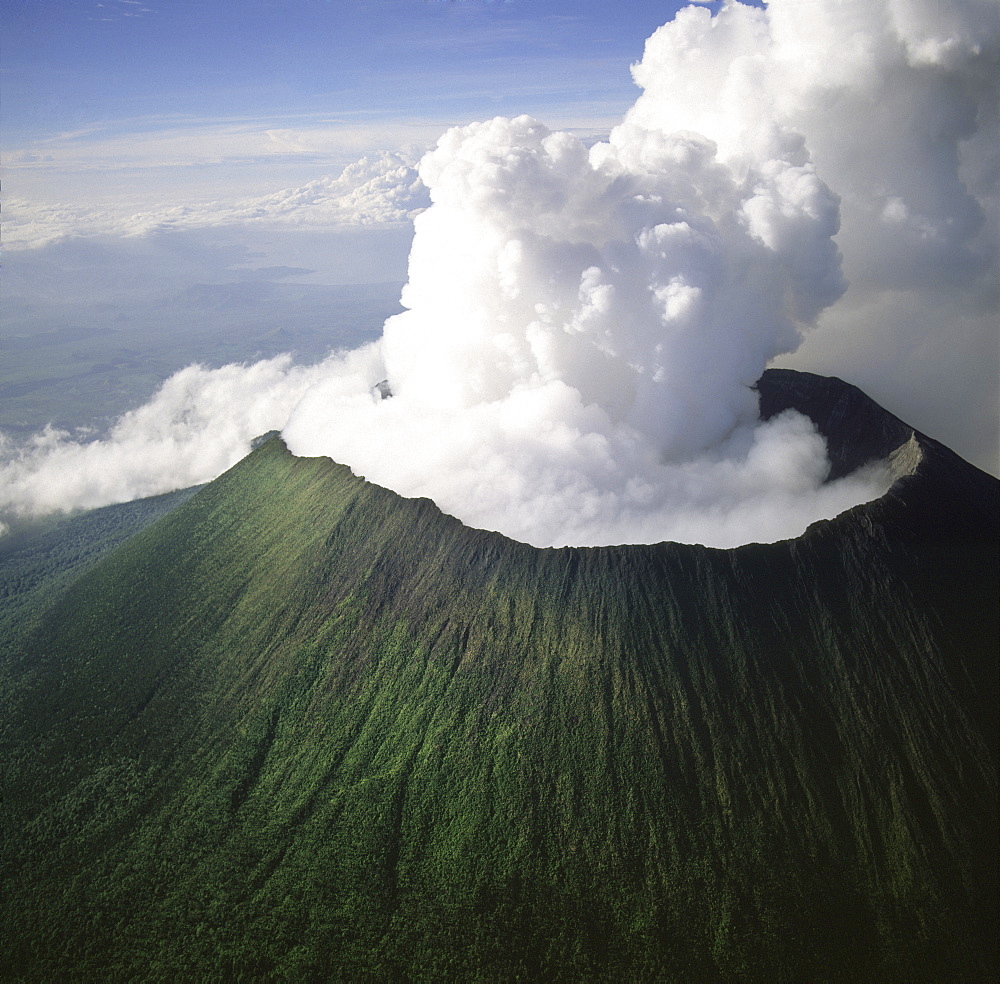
x=584 y=325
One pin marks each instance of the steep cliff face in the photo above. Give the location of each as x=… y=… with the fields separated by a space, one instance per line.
x=856 y=428
x=303 y=729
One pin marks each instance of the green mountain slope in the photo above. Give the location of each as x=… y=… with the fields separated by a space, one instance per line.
x=303 y=729
x=39 y=557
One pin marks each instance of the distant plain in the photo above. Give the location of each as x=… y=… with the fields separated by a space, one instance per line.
x=90 y=333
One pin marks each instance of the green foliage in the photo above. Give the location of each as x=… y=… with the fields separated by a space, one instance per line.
x=300 y=729
x=40 y=557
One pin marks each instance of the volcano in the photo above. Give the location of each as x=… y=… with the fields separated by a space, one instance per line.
x=302 y=729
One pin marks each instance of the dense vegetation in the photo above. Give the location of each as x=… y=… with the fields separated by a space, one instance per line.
x=300 y=729
x=38 y=557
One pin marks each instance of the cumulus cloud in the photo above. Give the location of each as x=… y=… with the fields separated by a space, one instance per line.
x=583 y=326
x=375 y=190
x=582 y=335
x=898 y=105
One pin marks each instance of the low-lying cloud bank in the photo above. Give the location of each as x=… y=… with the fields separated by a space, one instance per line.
x=200 y=423
x=375 y=190
x=584 y=325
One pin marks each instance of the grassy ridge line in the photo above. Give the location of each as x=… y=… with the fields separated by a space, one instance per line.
x=302 y=727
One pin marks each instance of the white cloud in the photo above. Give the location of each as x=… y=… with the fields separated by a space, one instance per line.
x=200 y=422
x=583 y=326
x=147 y=162
x=375 y=190
x=898 y=105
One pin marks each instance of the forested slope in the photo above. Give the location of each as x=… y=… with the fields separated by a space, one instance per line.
x=38 y=557
x=303 y=729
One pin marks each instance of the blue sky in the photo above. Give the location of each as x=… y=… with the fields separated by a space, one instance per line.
x=120 y=84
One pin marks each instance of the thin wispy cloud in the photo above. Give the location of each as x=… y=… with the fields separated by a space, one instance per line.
x=185 y=144
x=112 y=11
x=413 y=62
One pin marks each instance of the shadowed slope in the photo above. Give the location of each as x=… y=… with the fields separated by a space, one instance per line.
x=304 y=729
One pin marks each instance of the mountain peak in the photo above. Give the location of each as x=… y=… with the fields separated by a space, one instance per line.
x=303 y=728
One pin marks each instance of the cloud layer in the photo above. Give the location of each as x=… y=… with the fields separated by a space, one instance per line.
x=374 y=190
